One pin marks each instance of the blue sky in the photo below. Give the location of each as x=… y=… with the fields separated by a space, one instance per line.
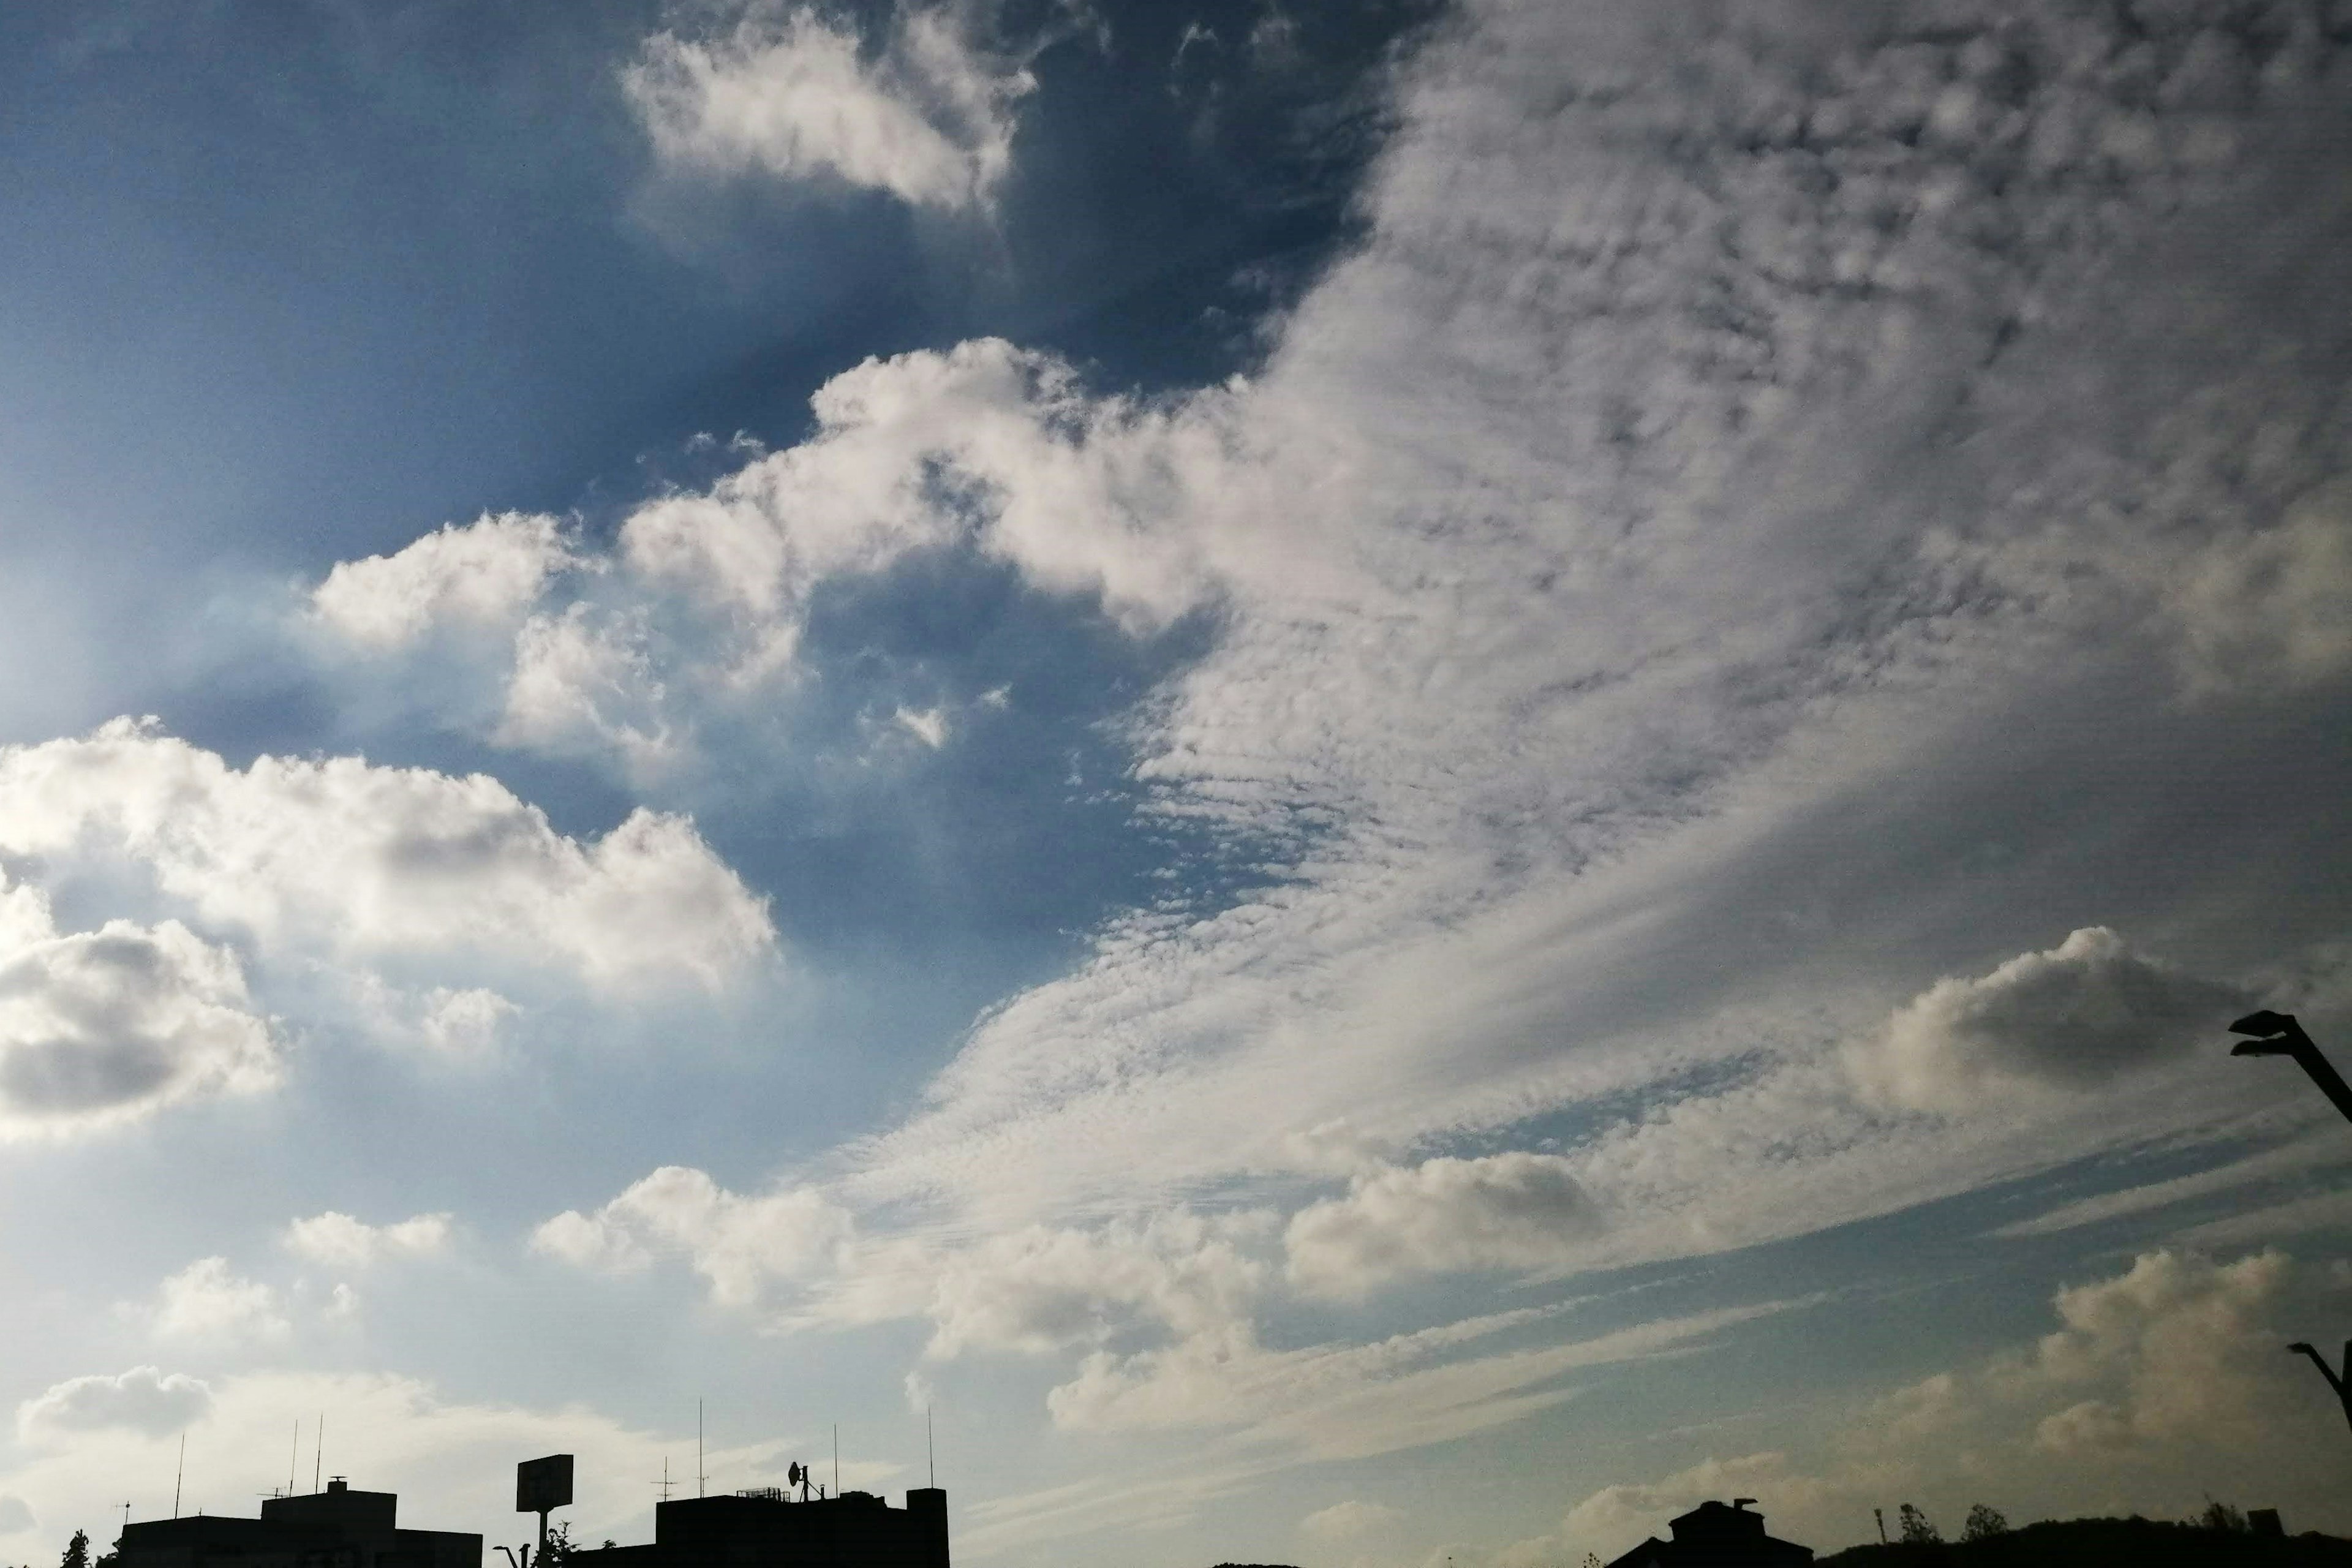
x=1388 y=783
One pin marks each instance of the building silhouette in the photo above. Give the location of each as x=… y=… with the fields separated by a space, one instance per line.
x=1716 y=1535
x=338 y=1528
x=770 y=1529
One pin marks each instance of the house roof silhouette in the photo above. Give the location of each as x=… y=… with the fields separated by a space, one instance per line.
x=1716 y=1535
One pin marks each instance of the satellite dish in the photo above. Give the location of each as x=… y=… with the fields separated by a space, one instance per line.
x=793 y=1474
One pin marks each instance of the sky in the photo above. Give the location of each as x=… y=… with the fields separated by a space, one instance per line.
x=1369 y=784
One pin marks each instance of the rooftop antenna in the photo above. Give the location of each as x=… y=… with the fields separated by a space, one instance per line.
x=836 y=1459
x=126 y=1517
x=702 y=1476
x=178 y=1475
x=930 y=1454
x=294 y=1457
x=318 y=1451
x=664 y=1482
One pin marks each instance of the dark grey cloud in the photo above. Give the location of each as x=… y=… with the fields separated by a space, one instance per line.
x=107 y=1025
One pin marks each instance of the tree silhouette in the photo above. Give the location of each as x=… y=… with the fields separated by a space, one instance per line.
x=2222 y=1516
x=77 y=1551
x=1917 y=1529
x=1984 y=1523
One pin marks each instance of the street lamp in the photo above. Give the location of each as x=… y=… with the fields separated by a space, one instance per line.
x=2336 y=1380
x=2278 y=1035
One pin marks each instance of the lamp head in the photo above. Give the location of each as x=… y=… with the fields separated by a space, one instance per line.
x=2274 y=1034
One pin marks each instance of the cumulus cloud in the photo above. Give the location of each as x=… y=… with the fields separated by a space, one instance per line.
x=2180 y=1347
x=1516 y=1211
x=2155 y=1382
x=144 y=1399
x=2075 y=1016
x=1041 y=1288
x=369 y=862
x=1350 y=1521
x=744 y=1246
x=338 y=1241
x=206 y=1303
x=105 y=1027
x=482 y=575
x=586 y=683
x=929 y=117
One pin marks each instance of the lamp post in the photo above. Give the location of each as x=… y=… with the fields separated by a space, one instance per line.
x=2341 y=1381
x=2278 y=1035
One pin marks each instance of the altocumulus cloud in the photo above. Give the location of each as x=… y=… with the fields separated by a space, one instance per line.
x=929 y=117
x=2086 y=1012
x=144 y=1399
x=100 y=1028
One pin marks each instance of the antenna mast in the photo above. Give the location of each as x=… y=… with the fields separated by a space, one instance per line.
x=178 y=1475
x=702 y=1476
x=930 y=1453
x=836 y=1459
x=294 y=1457
x=319 y=1451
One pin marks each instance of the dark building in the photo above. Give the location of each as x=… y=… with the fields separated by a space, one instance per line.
x=338 y=1528
x=768 y=1529
x=1716 y=1535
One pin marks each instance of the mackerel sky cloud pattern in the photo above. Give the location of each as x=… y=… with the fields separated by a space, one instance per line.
x=1249 y=748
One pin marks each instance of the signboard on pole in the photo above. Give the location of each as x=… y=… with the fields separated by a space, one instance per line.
x=543 y=1484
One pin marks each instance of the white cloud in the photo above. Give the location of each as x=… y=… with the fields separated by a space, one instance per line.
x=744 y=1246
x=586 y=684
x=206 y=1304
x=929 y=117
x=2075 y=1017
x=336 y=1240
x=369 y=862
x=2272 y=608
x=144 y=1399
x=106 y=1027
x=928 y=725
x=1038 y=1289
x=1350 y=1521
x=1513 y=1211
x=483 y=574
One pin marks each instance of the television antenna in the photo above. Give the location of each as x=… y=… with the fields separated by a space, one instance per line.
x=178 y=1476
x=664 y=1482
